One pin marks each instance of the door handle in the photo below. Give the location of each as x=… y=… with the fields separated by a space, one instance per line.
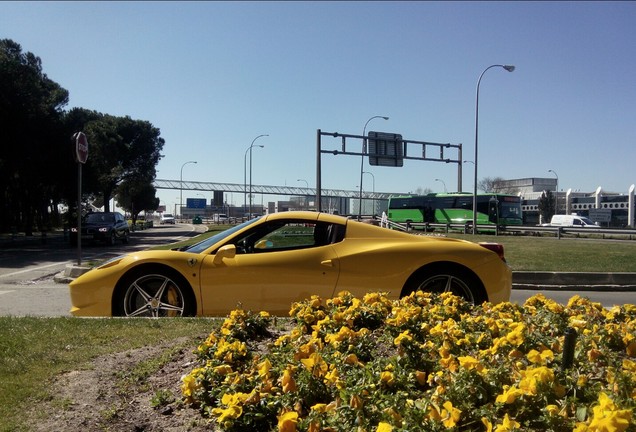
x=327 y=263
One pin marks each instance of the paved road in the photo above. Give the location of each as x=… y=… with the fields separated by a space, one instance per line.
x=27 y=287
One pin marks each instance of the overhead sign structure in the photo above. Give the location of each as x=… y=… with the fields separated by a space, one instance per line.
x=81 y=148
x=385 y=149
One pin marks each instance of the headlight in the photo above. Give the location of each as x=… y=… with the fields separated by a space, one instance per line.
x=103 y=230
x=74 y=229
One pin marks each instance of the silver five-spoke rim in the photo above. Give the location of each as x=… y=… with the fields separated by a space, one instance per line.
x=447 y=283
x=153 y=295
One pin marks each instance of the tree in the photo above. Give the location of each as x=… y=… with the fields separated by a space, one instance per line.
x=122 y=149
x=547 y=206
x=495 y=185
x=423 y=191
x=137 y=196
x=30 y=119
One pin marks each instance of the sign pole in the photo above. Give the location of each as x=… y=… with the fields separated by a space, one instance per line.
x=81 y=155
x=79 y=214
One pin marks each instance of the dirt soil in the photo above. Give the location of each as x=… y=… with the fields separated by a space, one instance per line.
x=98 y=399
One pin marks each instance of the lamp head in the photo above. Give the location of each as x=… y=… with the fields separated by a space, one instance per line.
x=509 y=68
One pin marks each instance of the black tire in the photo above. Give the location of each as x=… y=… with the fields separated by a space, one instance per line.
x=446 y=277
x=126 y=237
x=154 y=292
x=112 y=238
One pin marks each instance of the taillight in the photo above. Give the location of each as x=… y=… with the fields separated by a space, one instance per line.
x=496 y=248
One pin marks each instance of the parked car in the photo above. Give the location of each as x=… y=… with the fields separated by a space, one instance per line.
x=270 y=262
x=106 y=227
x=167 y=218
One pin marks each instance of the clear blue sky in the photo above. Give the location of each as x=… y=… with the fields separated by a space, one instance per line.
x=214 y=75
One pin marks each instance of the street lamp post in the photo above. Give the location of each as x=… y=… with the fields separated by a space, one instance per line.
x=372 y=178
x=249 y=149
x=556 y=193
x=509 y=68
x=307 y=185
x=181 y=188
x=442 y=181
x=364 y=151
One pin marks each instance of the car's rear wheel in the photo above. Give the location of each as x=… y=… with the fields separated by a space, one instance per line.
x=447 y=277
x=157 y=293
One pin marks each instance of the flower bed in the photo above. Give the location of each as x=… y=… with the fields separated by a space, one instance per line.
x=424 y=363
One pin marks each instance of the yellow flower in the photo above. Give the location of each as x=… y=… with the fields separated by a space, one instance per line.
x=316 y=365
x=534 y=376
x=537 y=357
x=507 y=425
x=448 y=415
x=451 y=415
x=323 y=408
x=332 y=376
x=225 y=414
x=404 y=336
x=516 y=336
x=510 y=395
x=287 y=422
x=487 y=423
x=552 y=409
x=470 y=363
x=387 y=378
x=607 y=418
x=383 y=427
x=288 y=382
x=264 y=368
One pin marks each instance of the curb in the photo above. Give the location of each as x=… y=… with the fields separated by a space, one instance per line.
x=580 y=281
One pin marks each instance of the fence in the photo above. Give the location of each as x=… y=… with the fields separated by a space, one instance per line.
x=558 y=232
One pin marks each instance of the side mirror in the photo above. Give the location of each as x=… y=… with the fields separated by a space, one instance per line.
x=227 y=251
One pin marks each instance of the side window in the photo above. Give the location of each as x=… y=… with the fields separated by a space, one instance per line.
x=289 y=235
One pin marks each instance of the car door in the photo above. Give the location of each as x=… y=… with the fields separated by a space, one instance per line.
x=273 y=267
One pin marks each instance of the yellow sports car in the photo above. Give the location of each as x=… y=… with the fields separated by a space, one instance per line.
x=266 y=264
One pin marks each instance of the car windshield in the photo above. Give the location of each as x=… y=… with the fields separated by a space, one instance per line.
x=205 y=244
x=100 y=217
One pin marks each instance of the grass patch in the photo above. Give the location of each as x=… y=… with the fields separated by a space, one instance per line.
x=525 y=253
x=34 y=350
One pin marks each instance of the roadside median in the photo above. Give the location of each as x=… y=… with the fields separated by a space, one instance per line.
x=580 y=281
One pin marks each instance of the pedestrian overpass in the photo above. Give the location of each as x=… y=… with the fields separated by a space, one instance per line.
x=268 y=190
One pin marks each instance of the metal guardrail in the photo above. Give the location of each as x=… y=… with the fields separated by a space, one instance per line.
x=558 y=232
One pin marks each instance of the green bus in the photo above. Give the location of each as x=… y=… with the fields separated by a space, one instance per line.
x=456 y=208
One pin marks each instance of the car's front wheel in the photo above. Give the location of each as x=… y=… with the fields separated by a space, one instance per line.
x=447 y=277
x=157 y=293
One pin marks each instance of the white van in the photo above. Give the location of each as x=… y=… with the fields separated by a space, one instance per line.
x=573 y=221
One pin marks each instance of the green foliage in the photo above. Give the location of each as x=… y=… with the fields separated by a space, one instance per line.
x=547 y=206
